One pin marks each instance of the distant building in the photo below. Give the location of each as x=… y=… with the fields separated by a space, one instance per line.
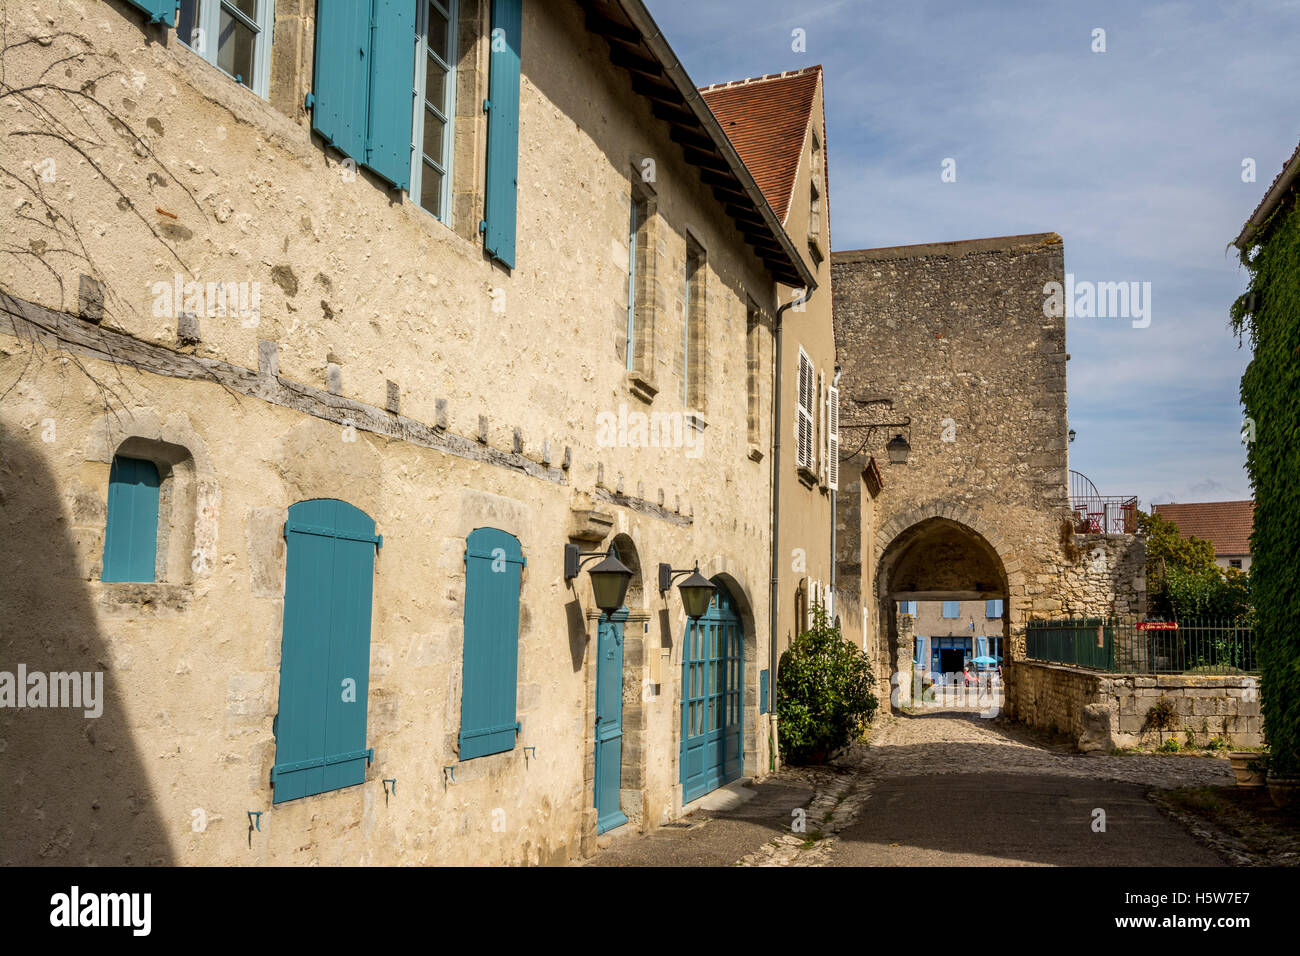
x=1225 y=524
x=949 y=633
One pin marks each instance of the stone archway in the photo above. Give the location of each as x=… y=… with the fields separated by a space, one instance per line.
x=941 y=552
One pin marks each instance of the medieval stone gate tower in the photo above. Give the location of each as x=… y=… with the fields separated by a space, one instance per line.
x=950 y=344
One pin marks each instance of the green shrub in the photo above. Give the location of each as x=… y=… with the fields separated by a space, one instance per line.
x=824 y=698
x=1170 y=746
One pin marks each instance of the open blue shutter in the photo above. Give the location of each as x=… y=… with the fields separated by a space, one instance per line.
x=160 y=11
x=131 y=533
x=493 y=565
x=392 y=91
x=762 y=691
x=341 y=80
x=320 y=730
x=503 y=131
x=981 y=647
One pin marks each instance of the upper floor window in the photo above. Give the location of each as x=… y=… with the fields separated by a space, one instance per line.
x=695 y=332
x=993 y=608
x=951 y=609
x=435 y=105
x=805 y=455
x=234 y=35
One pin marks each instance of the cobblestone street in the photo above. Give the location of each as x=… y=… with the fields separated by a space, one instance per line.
x=945 y=787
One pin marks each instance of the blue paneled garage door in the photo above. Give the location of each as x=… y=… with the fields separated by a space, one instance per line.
x=713 y=668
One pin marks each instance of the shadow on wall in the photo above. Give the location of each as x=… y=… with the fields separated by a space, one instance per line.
x=73 y=789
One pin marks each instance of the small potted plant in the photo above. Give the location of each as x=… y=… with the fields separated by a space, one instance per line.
x=1249 y=766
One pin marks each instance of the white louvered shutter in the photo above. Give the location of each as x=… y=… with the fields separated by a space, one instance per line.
x=804 y=423
x=833 y=438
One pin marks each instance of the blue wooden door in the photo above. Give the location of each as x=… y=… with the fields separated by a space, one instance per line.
x=320 y=729
x=712 y=698
x=609 y=721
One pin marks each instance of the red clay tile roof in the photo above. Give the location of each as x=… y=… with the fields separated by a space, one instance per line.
x=766 y=119
x=1225 y=523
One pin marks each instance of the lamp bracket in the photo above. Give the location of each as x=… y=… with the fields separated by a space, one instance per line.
x=667 y=576
x=575 y=560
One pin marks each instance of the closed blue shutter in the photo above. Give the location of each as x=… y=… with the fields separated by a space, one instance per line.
x=503 y=131
x=993 y=608
x=392 y=91
x=131 y=533
x=160 y=11
x=320 y=730
x=341 y=79
x=950 y=609
x=762 y=691
x=363 y=85
x=493 y=565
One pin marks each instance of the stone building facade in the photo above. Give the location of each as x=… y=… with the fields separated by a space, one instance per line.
x=778 y=124
x=389 y=364
x=954 y=346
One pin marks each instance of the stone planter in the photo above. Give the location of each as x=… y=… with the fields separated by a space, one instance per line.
x=1246 y=777
x=1285 y=792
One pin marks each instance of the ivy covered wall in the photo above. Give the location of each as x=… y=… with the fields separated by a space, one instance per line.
x=1269 y=314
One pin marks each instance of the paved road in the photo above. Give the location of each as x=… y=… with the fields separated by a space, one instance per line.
x=946 y=788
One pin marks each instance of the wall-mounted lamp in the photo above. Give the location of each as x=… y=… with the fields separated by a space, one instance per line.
x=697 y=590
x=1072 y=434
x=898 y=448
x=609 y=578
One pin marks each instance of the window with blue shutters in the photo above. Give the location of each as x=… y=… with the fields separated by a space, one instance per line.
x=362 y=93
x=320 y=728
x=907 y=607
x=951 y=609
x=494 y=565
x=233 y=35
x=131 y=533
x=502 y=108
x=993 y=608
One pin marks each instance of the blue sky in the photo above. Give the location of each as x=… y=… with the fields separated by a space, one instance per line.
x=1133 y=155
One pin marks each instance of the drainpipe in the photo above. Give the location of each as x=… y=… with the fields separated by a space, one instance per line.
x=774 y=599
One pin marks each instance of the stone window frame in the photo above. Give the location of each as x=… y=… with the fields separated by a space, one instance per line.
x=695 y=339
x=647 y=307
x=188 y=499
x=754 y=324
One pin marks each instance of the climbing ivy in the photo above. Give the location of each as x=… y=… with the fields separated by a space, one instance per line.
x=1269 y=314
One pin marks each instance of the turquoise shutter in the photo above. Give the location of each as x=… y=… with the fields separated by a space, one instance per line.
x=131 y=533
x=392 y=91
x=320 y=730
x=340 y=97
x=493 y=565
x=762 y=691
x=160 y=11
x=503 y=131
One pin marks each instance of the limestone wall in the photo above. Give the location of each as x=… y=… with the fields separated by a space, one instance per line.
x=1102 y=711
x=390 y=365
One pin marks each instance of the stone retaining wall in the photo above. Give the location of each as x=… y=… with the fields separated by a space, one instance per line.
x=1102 y=711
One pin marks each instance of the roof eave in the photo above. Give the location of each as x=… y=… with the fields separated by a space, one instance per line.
x=653 y=39
x=1283 y=185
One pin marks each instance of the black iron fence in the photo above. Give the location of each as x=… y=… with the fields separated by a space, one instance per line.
x=1130 y=646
